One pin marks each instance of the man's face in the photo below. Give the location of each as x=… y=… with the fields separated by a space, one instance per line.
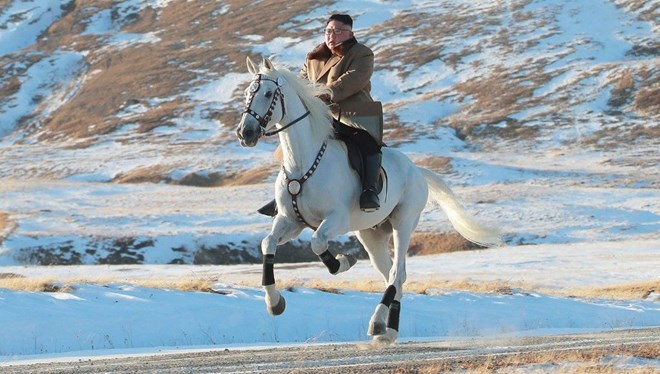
x=337 y=33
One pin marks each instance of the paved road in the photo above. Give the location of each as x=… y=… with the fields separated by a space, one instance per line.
x=343 y=358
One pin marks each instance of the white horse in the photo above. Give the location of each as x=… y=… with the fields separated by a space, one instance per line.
x=317 y=188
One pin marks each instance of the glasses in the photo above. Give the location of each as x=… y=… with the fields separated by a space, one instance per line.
x=329 y=31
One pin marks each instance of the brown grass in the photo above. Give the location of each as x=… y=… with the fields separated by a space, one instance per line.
x=560 y=361
x=185 y=284
x=152 y=173
x=621 y=93
x=254 y=176
x=394 y=131
x=12 y=86
x=428 y=287
x=435 y=163
x=194 y=37
x=19 y=282
x=158 y=173
x=197 y=42
x=7 y=225
x=647 y=100
x=636 y=291
x=4 y=221
x=613 y=136
x=631 y=291
x=429 y=243
x=495 y=97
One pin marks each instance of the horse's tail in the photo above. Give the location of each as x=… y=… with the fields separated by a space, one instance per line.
x=459 y=218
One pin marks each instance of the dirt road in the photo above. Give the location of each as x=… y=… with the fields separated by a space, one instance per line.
x=362 y=358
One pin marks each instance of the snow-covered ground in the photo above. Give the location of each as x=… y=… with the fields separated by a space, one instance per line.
x=575 y=216
x=119 y=317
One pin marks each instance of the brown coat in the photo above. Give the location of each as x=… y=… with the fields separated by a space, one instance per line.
x=349 y=78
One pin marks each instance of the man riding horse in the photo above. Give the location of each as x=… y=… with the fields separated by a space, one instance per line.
x=346 y=66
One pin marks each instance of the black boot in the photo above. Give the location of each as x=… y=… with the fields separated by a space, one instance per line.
x=369 y=201
x=269 y=209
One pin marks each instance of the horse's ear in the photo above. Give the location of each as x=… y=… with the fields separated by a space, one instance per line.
x=252 y=68
x=268 y=64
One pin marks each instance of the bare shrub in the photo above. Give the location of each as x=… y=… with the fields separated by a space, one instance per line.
x=12 y=86
x=435 y=163
x=621 y=93
x=647 y=100
x=11 y=276
x=201 y=180
x=428 y=243
x=255 y=176
x=145 y=174
x=185 y=284
x=21 y=283
x=159 y=173
x=7 y=225
x=632 y=291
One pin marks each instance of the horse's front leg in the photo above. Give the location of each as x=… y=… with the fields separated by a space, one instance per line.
x=282 y=231
x=332 y=226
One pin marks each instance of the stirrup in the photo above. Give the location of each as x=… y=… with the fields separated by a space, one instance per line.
x=369 y=201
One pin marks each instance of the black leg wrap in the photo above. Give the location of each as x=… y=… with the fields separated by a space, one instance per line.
x=393 y=317
x=330 y=261
x=268 y=277
x=390 y=292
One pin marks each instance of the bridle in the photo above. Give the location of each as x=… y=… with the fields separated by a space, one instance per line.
x=294 y=186
x=263 y=121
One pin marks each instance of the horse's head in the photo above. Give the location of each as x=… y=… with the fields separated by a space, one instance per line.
x=261 y=104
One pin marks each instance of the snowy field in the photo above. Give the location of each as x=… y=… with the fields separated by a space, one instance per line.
x=120 y=317
x=576 y=218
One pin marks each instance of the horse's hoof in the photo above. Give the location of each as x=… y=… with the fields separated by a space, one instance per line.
x=388 y=338
x=377 y=328
x=279 y=308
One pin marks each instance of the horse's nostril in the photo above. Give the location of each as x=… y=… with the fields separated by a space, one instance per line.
x=249 y=134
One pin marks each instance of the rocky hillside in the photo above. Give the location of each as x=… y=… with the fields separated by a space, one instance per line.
x=76 y=74
x=149 y=91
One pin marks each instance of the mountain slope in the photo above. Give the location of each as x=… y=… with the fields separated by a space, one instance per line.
x=504 y=93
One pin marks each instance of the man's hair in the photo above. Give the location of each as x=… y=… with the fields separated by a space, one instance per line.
x=343 y=18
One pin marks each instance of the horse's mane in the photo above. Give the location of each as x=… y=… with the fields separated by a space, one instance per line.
x=320 y=115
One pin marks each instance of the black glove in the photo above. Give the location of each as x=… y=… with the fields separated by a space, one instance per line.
x=326 y=98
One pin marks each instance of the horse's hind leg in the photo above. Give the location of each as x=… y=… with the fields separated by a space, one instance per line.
x=390 y=306
x=375 y=241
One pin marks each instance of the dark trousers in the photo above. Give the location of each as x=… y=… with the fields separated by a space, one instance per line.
x=366 y=143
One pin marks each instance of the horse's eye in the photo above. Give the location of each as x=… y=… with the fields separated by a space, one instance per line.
x=268 y=94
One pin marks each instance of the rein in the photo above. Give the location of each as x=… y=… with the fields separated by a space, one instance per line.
x=271 y=133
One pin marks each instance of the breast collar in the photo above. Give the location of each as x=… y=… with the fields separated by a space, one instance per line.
x=294 y=186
